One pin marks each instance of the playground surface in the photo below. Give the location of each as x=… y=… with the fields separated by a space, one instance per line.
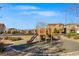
x=69 y=44
x=22 y=48
x=25 y=38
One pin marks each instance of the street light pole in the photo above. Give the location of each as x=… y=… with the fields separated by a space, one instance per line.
x=0 y=9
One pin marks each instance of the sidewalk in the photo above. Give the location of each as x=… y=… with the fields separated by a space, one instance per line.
x=76 y=53
x=62 y=37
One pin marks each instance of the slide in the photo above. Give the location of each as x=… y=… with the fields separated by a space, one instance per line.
x=32 y=38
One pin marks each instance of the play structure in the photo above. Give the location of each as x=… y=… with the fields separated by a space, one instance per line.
x=32 y=38
x=43 y=34
x=40 y=34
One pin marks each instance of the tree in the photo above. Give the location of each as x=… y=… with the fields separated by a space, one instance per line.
x=56 y=31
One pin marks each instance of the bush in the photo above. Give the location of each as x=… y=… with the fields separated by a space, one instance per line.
x=6 y=37
x=12 y=38
x=2 y=48
x=56 y=31
x=16 y=38
x=71 y=34
x=76 y=37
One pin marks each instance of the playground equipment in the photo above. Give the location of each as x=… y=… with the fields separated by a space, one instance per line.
x=40 y=33
x=32 y=38
x=46 y=33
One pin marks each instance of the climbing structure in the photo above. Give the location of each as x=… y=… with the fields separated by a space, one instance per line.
x=32 y=38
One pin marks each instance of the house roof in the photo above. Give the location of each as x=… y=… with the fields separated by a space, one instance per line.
x=54 y=24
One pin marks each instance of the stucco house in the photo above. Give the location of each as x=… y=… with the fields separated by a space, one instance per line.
x=2 y=28
x=52 y=27
x=71 y=27
x=77 y=31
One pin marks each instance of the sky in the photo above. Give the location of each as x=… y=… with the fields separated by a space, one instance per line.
x=28 y=15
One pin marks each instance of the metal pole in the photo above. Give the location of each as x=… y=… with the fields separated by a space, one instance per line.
x=51 y=35
x=0 y=9
x=39 y=34
x=45 y=35
x=65 y=23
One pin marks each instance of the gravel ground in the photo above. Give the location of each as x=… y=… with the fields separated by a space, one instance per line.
x=61 y=48
x=39 y=49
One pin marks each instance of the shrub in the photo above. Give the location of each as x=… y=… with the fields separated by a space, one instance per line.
x=16 y=38
x=2 y=48
x=56 y=31
x=72 y=33
x=12 y=38
x=76 y=37
x=6 y=37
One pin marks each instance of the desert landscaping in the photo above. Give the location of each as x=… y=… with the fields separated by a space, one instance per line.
x=39 y=29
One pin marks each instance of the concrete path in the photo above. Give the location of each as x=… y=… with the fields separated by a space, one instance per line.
x=70 y=44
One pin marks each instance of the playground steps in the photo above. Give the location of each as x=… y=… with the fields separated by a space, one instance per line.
x=32 y=38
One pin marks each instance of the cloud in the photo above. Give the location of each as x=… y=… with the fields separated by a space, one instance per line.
x=40 y=13
x=27 y=13
x=27 y=7
x=34 y=10
x=47 y=13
